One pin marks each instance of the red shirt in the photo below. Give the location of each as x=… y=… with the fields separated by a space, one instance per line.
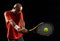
x=11 y=32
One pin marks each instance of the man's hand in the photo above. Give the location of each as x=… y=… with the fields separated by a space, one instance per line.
x=23 y=30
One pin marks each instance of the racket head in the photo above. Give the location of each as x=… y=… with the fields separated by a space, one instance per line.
x=46 y=29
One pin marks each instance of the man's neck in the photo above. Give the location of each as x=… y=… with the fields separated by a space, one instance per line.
x=15 y=12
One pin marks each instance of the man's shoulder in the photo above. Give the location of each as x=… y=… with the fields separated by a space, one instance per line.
x=7 y=12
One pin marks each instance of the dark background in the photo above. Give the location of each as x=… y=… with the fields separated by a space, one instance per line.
x=34 y=12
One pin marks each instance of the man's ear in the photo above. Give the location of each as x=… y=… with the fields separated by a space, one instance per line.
x=21 y=8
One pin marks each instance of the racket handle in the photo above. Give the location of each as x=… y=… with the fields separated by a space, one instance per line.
x=32 y=29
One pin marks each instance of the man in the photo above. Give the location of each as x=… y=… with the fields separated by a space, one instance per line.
x=15 y=23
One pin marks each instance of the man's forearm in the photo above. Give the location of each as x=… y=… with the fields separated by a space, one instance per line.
x=22 y=22
x=14 y=24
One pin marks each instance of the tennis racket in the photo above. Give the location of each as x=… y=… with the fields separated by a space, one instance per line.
x=42 y=28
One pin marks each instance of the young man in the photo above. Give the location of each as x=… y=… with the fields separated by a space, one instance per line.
x=15 y=23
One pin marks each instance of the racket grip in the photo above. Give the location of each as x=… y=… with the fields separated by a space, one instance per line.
x=32 y=29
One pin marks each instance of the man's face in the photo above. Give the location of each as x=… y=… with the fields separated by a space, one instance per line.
x=17 y=7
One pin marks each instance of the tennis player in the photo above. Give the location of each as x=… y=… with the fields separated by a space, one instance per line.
x=15 y=23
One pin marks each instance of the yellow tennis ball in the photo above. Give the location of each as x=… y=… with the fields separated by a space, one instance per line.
x=45 y=29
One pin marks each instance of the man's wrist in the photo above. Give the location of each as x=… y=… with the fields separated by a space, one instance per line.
x=16 y=27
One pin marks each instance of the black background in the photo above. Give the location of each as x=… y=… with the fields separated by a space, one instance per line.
x=34 y=12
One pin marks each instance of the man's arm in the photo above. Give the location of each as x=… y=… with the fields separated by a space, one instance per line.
x=14 y=25
x=22 y=22
x=8 y=19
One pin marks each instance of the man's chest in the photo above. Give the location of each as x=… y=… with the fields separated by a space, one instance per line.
x=15 y=17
